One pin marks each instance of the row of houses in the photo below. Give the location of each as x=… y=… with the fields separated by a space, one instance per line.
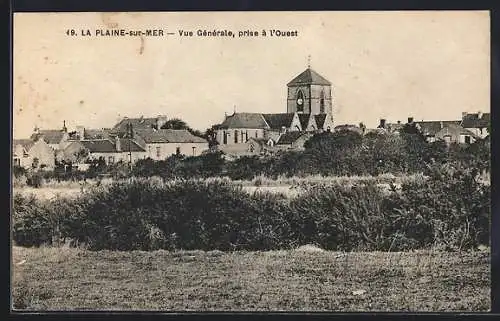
x=128 y=141
x=472 y=127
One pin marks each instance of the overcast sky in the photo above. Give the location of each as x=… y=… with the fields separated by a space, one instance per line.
x=429 y=65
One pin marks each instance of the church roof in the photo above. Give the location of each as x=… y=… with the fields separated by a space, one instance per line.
x=320 y=120
x=244 y=120
x=304 y=120
x=309 y=77
x=277 y=121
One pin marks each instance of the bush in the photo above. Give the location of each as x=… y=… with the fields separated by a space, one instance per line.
x=449 y=209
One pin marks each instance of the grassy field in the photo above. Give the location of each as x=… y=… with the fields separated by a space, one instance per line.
x=288 y=186
x=299 y=280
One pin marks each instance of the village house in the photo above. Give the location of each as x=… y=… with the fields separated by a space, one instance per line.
x=33 y=154
x=111 y=150
x=293 y=140
x=163 y=143
x=478 y=123
x=145 y=123
x=449 y=131
x=55 y=138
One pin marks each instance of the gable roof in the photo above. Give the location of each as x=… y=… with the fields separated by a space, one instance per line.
x=454 y=129
x=289 y=137
x=137 y=123
x=50 y=136
x=474 y=121
x=108 y=146
x=244 y=120
x=260 y=141
x=309 y=77
x=25 y=143
x=320 y=120
x=304 y=120
x=277 y=121
x=96 y=133
x=431 y=128
x=168 y=136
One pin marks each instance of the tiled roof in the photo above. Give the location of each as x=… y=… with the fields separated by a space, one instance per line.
x=137 y=123
x=304 y=120
x=108 y=146
x=26 y=143
x=320 y=120
x=454 y=129
x=394 y=126
x=168 y=136
x=289 y=137
x=431 y=128
x=309 y=77
x=244 y=120
x=474 y=121
x=50 y=136
x=260 y=141
x=277 y=121
x=97 y=133
x=349 y=127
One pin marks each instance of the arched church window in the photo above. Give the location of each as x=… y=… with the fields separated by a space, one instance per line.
x=322 y=103
x=300 y=101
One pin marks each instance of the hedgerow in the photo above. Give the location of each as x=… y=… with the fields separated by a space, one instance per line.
x=449 y=209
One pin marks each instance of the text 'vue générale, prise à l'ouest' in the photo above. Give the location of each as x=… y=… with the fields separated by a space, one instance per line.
x=204 y=33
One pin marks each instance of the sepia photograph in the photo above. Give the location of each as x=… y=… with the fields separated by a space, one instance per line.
x=313 y=161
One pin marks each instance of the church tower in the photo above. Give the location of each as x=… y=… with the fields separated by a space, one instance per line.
x=309 y=93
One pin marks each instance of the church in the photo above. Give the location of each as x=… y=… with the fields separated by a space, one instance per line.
x=309 y=109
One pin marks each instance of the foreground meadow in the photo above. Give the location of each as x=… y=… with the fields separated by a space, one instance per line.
x=305 y=279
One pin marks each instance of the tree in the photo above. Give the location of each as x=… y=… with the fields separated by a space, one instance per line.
x=175 y=123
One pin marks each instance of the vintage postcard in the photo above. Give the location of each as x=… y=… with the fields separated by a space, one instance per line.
x=251 y=161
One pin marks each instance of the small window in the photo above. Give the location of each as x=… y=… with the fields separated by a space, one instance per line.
x=252 y=148
x=246 y=136
x=224 y=137
x=236 y=137
x=322 y=103
x=256 y=134
x=158 y=152
x=111 y=159
x=467 y=139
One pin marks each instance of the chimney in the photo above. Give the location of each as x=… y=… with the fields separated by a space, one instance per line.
x=160 y=121
x=399 y=122
x=382 y=123
x=479 y=115
x=118 y=144
x=410 y=120
x=64 y=128
x=80 y=130
x=464 y=114
x=441 y=124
